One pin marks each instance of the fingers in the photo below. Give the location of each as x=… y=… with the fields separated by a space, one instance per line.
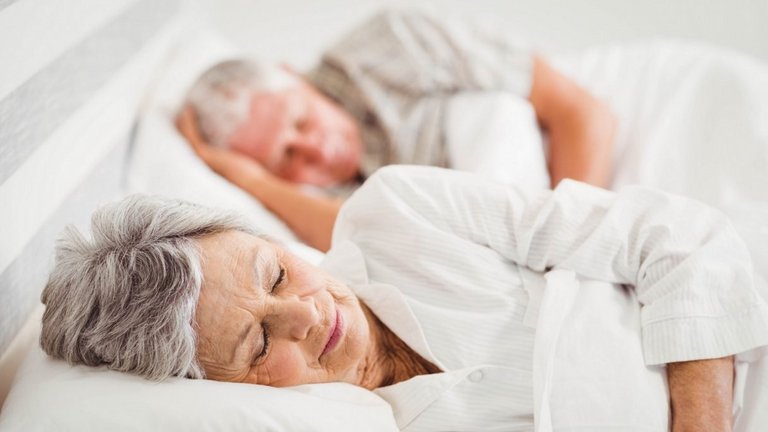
x=186 y=123
x=185 y=119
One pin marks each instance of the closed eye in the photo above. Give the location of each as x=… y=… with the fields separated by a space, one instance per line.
x=265 y=327
x=265 y=345
x=279 y=280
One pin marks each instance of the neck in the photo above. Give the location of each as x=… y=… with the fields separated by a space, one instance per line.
x=389 y=360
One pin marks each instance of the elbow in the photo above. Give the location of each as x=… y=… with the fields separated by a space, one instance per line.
x=605 y=119
x=596 y=118
x=599 y=128
x=582 y=143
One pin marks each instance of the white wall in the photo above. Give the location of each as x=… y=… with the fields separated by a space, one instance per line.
x=309 y=25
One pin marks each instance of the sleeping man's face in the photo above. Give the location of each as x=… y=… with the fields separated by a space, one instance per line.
x=264 y=316
x=301 y=136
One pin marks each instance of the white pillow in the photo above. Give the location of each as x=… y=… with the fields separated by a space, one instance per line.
x=496 y=134
x=161 y=161
x=49 y=395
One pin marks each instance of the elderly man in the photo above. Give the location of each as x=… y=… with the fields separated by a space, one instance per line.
x=430 y=297
x=380 y=97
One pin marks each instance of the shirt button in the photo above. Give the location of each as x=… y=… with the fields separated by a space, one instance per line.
x=476 y=376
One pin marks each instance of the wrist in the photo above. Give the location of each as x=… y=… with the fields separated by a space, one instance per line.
x=701 y=394
x=259 y=182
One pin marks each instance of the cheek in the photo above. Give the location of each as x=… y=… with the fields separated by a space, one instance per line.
x=309 y=281
x=329 y=117
x=257 y=141
x=357 y=334
x=286 y=366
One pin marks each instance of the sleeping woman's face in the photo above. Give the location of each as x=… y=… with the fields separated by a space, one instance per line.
x=264 y=316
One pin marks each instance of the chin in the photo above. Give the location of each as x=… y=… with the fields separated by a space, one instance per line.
x=347 y=172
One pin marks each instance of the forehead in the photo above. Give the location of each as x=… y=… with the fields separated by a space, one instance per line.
x=229 y=258
x=229 y=295
x=269 y=105
x=278 y=106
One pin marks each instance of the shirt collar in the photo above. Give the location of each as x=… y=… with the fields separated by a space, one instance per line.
x=346 y=262
x=411 y=397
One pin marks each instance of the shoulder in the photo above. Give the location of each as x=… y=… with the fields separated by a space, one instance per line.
x=392 y=17
x=403 y=181
x=385 y=197
x=391 y=24
x=400 y=196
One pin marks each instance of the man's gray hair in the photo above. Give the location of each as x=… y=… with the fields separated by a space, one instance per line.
x=222 y=95
x=126 y=297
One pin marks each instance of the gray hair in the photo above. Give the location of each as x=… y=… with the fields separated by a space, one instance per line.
x=222 y=95
x=126 y=297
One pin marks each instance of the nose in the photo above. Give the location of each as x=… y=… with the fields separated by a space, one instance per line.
x=293 y=317
x=308 y=148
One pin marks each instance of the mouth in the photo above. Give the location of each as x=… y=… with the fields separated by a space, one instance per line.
x=335 y=334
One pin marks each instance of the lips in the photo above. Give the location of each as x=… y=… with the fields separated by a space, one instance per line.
x=335 y=334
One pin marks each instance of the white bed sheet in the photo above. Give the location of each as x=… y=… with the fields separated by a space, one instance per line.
x=690 y=123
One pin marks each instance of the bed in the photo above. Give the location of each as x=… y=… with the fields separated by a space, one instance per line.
x=691 y=124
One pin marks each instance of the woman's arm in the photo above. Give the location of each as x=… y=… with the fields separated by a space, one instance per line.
x=581 y=136
x=310 y=217
x=581 y=129
x=701 y=394
x=691 y=271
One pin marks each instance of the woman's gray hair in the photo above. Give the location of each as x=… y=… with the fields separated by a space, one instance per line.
x=126 y=297
x=222 y=95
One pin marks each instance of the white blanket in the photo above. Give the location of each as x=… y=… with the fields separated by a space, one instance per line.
x=692 y=117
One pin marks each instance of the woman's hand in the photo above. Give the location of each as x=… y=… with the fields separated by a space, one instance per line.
x=235 y=167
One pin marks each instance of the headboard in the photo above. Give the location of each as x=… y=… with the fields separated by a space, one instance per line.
x=71 y=81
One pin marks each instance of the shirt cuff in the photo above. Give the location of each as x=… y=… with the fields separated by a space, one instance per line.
x=698 y=338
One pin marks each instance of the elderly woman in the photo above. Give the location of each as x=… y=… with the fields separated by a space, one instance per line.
x=427 y=296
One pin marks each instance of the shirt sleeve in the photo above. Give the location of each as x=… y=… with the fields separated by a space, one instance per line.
x=415 y=53
x=692 y=273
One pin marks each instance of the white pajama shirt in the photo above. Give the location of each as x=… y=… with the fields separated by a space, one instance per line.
x=485 y=280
